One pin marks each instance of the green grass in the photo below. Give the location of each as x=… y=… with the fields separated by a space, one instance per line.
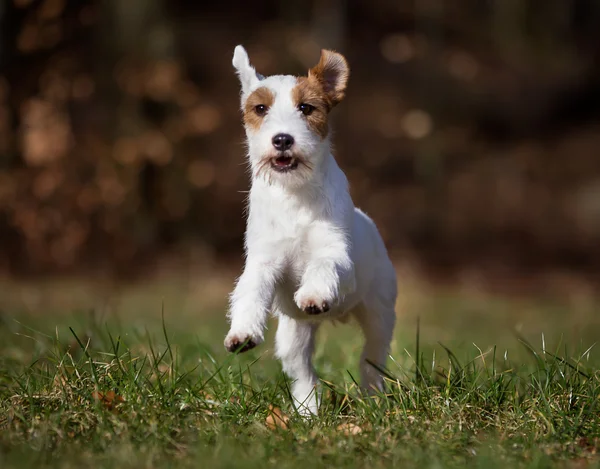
x=128 y=388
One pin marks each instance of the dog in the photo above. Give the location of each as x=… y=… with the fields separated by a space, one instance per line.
x=311 y=256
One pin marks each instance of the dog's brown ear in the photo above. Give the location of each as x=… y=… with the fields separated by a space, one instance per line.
x=332 y=73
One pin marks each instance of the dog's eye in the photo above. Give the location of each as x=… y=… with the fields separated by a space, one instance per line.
x=261 y=109
x=306 y=109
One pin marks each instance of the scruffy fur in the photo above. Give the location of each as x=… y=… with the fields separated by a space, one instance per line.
x=311 y=256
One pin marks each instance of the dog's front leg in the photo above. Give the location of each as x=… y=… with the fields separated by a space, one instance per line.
x=329 y=272
x=250 y=303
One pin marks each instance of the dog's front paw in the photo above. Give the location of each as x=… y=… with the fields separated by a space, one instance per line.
x=313 y=307
x=312 y=303
x=235 y=342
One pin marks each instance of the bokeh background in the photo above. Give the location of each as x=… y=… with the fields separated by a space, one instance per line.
x=470 y=133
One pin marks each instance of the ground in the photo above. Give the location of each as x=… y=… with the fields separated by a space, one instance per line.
x=136 y=376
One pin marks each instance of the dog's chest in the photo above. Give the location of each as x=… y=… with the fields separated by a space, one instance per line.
x=278 y=218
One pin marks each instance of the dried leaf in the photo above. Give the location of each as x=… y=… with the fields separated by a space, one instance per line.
x=588 y=445
x=276 y=419
x=109 y=399
x=349 y=429
x=60 y=380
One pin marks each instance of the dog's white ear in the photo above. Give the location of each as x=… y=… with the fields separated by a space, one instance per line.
x=246 y=72
x=332 y=73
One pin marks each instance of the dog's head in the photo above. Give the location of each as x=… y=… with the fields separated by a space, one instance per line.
x=286 y=117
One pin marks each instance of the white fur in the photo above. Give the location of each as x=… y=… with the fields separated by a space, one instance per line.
x=306 y=242
x=246 y=72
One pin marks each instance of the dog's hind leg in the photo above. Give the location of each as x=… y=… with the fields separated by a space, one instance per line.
x=377 y=318
x=294 y=346
x=377 y=323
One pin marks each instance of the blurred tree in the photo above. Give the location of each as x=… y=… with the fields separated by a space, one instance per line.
x=470 y=132
x=138 y=64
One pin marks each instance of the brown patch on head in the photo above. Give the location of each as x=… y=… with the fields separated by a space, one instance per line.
x=324 y=87
x=332 y=74
x=309 y=91
x=261 y=97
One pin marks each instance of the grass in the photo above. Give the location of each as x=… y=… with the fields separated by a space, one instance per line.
x=136 y=388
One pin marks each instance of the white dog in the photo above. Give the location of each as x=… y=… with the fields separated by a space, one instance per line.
x=311 y=255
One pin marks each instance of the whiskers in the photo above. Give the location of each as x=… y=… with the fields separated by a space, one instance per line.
x=305 y=165
x=262 y=169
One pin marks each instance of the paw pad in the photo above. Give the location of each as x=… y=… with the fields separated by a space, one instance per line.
x=312 y=308
x=239 y=344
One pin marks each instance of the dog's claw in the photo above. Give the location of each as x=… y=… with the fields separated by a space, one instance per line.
x=239 y=345
x=313 y=309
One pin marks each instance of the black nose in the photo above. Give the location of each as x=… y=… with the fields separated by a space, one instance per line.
x=283 y=142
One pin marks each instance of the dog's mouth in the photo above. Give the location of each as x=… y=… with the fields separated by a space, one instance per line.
x=284 y=163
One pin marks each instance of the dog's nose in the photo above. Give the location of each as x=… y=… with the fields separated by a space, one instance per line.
x=283 y=142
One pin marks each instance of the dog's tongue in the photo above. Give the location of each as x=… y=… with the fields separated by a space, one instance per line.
x=283 y=160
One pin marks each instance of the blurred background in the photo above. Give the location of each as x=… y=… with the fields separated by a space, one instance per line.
x=470 y=133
